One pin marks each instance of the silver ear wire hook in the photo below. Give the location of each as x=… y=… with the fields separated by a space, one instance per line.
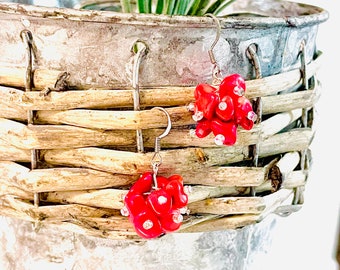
x=217 y=38
x=168 y=128
x=216 y=69
x=156 y=160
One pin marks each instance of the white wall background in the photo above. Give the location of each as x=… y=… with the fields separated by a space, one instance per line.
x=308 y=239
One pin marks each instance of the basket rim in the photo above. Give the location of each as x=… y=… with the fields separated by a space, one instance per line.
x=310 y=15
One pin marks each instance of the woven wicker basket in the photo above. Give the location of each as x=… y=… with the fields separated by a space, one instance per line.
x=69 y=156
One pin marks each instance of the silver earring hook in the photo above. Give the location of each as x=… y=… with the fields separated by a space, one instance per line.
x=216 y=69
x=168 y=128
x=217 y=38
x=156 y=160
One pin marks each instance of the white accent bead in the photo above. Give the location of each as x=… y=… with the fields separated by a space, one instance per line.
x=147 y=225
x=219 y=139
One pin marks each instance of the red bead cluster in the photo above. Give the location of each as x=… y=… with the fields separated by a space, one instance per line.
x=156 y=211
x=220 y=110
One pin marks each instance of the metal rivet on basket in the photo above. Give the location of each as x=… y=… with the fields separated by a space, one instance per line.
x=251 y=53
x=27 y=38
x=298 y=192
x=139 y=48
x=60 y=84
x=302 y=54
x=304 y=79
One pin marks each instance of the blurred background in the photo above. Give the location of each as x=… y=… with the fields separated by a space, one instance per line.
x=308 y=239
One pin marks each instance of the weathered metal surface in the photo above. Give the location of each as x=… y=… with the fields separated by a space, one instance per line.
x=95 y=46
x=227 y=250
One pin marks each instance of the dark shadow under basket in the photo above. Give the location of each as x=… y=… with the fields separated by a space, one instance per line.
x=69 y=157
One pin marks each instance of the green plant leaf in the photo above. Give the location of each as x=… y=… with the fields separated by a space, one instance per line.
x=170 y=7
x=144 y=6
x=197 y=7
x=175 y=7
x=126 y=6
x=160 y=6
x=194 y=6
x=218 y=6
x=181 y=7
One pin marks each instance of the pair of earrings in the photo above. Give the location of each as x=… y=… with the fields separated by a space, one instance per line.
x=155 y=204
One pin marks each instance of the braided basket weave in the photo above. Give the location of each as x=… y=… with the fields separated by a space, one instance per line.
x=68 y=123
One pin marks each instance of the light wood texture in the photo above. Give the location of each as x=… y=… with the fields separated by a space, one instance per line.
x=186 y=159
x=29 y=212
x=63 y=136
x=51 y=112
x=216 y=223
x=60 y=179
x=228 y=206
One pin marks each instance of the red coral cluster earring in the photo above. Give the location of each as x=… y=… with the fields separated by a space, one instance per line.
x=155 y=204
x=222 y=109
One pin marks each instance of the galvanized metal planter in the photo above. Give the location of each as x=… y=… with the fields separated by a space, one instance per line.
x=68 y=121
x=95 y=47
